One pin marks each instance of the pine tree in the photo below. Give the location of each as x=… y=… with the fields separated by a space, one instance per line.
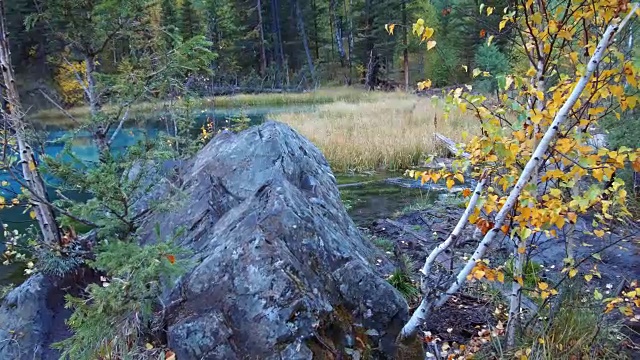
x=190 y=23
x=169 y=15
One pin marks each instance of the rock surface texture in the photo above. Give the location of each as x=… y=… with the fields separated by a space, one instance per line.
x=278 y=271
x=281 y=272
x=32 y=317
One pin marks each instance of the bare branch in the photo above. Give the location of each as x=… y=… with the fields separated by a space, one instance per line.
x=422 y=311
x=65 y=112
x=117 y=130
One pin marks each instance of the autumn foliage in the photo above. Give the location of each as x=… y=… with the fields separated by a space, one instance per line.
x=580 y=72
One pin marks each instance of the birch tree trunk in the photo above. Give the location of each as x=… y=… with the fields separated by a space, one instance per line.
x=15 y=118
x=263 y=56
x=305 y=40
x=421 y=314
x=519 y=247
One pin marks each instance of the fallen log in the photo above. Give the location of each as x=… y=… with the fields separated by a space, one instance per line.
x=408 y=231
x=451 y=145
x=342 y=186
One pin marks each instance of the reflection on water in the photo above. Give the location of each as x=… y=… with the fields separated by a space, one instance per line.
x=150 y=125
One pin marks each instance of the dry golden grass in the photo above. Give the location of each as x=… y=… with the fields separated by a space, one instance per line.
x=394 y=132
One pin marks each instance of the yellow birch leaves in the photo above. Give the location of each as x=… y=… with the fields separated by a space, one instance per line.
x=389 y=28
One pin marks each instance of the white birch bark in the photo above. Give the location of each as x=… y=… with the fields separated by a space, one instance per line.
x=15 y=116
x=421 y=312
x=411 y=328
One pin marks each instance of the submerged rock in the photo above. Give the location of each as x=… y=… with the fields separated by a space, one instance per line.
x=281 y=271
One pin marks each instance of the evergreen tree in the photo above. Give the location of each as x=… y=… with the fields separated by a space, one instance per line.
x=190 y=23
x=225 y=31
x=169 y=18
x=489 y=58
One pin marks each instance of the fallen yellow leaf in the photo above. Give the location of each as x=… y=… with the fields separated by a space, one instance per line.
x=543 y=286
x=573 y=272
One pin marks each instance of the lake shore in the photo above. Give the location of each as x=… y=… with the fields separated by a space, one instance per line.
x=319 y=96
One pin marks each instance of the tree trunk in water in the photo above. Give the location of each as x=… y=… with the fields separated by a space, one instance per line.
x=15 y=117
x=263 y=56
x=305 y=41
x=405 y=43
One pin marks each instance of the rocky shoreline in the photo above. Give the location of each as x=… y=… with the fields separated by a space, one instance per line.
x=414 y=234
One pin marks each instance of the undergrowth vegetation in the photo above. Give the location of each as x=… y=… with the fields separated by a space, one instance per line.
x=125 y=299
x=575 y=328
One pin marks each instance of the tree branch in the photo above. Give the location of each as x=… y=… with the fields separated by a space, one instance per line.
x=117 y=130
x=411 y=328
x=65 y=112
x=423 y=310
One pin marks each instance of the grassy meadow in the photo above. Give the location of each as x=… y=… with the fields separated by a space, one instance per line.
x=393 y=132
x=320 y=96
x=357 y=130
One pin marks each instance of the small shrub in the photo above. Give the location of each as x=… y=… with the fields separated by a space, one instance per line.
x=124 y=300
x=531 y=272
x=577 y=331
x=65 y=78
x=401 y=279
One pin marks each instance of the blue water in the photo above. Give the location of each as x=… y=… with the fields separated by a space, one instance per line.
x=83 y=149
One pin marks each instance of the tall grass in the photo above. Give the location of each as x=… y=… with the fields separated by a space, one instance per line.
x=392 y=133
x=579 y=330
x=320 y=96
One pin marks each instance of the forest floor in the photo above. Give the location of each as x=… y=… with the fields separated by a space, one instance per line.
x=472 y=317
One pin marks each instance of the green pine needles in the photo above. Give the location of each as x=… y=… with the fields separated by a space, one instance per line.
x=132 y=282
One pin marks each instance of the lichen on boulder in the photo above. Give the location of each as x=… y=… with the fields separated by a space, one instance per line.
x=281 y=270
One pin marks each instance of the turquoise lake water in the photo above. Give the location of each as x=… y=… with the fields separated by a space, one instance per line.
x=84 y=149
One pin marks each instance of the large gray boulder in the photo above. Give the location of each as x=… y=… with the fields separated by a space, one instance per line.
x=32 y=317
x=278 y=269
x=281 y=271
